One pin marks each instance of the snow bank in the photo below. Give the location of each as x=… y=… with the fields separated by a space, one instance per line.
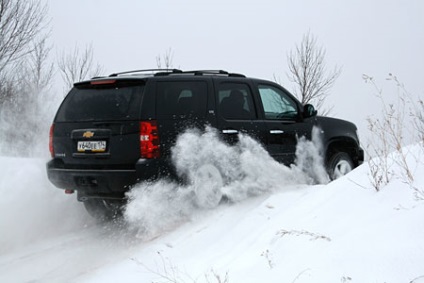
x=344 y=231
x=31 y=208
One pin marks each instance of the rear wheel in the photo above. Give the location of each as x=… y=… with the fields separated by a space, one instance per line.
x=207 y=186
x=339 y=165
x=103 y=210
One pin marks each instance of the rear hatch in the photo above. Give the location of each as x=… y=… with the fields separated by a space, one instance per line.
x=98 y=127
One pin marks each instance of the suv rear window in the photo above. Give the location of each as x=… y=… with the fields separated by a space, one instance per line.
x=99 y=103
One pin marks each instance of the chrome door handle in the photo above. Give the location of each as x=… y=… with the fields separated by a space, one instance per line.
x=229 y=131
x=276 y=132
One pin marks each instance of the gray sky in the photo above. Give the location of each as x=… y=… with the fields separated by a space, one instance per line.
x=253 y=37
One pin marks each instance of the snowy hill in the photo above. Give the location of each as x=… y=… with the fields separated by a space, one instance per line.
x=345 y=231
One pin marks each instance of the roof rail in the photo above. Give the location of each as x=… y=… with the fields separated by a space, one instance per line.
x=213 y=72
x=166 y=72
x=151 y=71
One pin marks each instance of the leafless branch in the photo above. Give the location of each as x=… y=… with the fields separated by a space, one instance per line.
x=40 y=70
x=21 y=21
x=400 y=124
x=167 y=59
x=307 y=70
x=76 y=66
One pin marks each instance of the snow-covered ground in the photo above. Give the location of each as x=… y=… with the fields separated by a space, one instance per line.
x=289 y=231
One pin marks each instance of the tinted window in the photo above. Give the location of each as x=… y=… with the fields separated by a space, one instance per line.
x=181 y=98
x=112 y=102
x=276 y=103
x=235 y=102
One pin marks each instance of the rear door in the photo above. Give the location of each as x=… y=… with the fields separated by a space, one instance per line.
x=181 y=104
x=97 y=125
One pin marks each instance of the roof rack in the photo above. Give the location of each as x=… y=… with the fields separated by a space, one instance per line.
x=166 y=72
x=213 y=72
x=150 y=71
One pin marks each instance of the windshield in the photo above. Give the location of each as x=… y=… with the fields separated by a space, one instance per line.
x=111 y=102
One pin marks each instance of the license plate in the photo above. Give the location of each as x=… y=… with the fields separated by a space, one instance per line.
x=92 y=146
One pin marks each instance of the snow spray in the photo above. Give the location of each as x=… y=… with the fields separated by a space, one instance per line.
x=217 y=171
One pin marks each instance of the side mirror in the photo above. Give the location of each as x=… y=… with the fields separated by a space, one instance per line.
x=309 y=111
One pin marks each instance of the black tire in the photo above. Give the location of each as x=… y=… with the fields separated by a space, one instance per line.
x=103 y=210
x=208 y=183
x=339 y=165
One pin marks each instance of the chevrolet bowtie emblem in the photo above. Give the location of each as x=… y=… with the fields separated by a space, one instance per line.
x=88 y=134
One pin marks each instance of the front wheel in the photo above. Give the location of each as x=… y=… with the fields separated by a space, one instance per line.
x=339 y=165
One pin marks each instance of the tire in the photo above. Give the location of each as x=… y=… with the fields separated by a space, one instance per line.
x=339 y=165
x=103 y=210
x=207 y=186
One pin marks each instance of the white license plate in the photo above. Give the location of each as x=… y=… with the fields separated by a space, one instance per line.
x=92 y=146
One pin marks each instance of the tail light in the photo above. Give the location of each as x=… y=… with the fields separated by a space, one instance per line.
x=103 y=82
x=149 y=140
x=51 y=140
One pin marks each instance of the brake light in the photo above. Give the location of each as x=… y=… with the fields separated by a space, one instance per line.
x=103 y=82
x=51 y=140
x=149 y=140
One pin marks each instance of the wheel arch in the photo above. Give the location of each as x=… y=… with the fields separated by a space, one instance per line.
x=343 y=144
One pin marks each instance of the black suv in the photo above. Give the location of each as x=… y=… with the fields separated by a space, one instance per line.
x=112 y=132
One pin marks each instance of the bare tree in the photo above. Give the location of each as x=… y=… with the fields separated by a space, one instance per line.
x=21 y=21
x=28 y=77
x=6 y=89
x=77 y=66
x=27 y=100
x=25 y=76
x=39 y=70
x=309 y=73
x=167 y=58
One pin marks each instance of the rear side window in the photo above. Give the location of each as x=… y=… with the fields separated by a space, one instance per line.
x=181 y=99
x=235 y=102
x=111 y=102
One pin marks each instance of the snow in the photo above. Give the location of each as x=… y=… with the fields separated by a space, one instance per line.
x=288 y=230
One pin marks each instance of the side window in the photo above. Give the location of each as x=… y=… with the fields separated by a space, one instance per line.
x=181 y=98
x=276 y=103
x=235 y=102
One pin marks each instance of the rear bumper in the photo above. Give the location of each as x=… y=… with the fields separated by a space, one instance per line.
x=104 y=181
x=92 y=180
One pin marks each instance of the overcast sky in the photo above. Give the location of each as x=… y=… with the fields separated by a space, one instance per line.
x=253 y=37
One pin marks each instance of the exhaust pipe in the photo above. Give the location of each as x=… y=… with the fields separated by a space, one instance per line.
x=85 y=197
